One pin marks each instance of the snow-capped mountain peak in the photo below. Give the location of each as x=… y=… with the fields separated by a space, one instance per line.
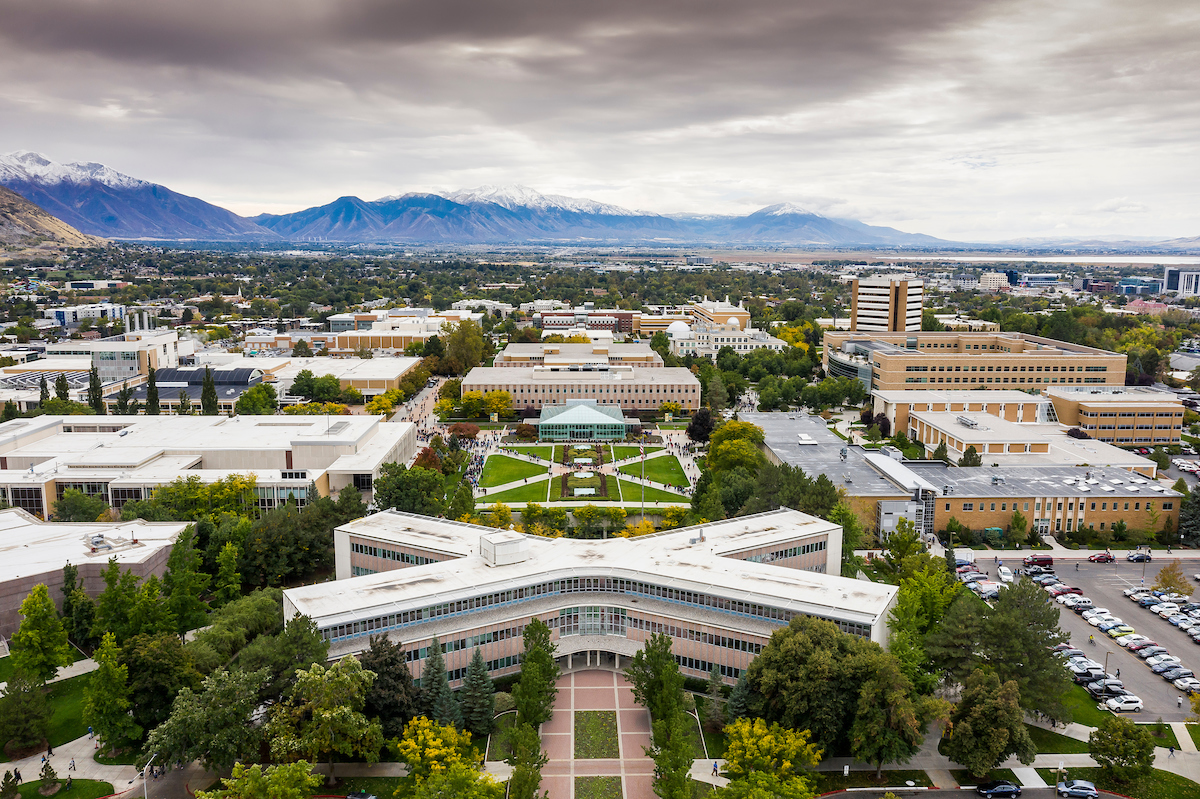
x=515 y=197
x=32 y=167
x=785 y=209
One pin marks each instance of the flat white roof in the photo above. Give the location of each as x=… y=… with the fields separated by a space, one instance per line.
x=29 y=547
x=625 y=374
x=989 y=396
x=691 y=558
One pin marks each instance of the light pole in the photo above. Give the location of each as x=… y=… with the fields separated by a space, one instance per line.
x=146 y=774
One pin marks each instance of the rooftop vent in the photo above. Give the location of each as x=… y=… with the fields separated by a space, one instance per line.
x=967 y=421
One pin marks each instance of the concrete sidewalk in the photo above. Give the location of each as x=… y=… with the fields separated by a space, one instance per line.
x=77 y=668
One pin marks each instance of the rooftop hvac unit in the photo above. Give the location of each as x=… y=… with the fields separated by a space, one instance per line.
x=967 y=421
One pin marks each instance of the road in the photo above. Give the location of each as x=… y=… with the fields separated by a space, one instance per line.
x=1104 y=584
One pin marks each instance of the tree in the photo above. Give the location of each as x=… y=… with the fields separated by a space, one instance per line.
x=414 y=490
x=150 y=614
x=116 y=601
x=498 y=402
x=82 y=619
x=718 y=398
x=738 y=706
x=285 y=781
x=1124 y=750
x=62 y=389
x=106 y=697
x=463 y=503
x=159 y=668
x=429 y=749
x=852 y=531
x=126 y=405
x=889 y=724
x=8 y=786
x=472 y=404
x=10 y=411
x=208 y=394
x=1018 y=527
x=184 y=408
x=259 y=400
x=428 y=459
x=988 y=725
x=153 y=406
x=70 y=586
x=436 y=697
x=1172 y=580
x=215 y=725
x=710 y=508
x=763 y=785
x=185 y=584
x=714 y=715
x=297 y=647
x=970 y=458
x=40 y=645
x=1020 y=632
x=464 y=346
x=392 y=697
x=24 y=713
x=43 y=392
x=323 y=715
x=951 y=647
x=75 y=506
x=941 y=453
x=460 y=781
x=477 y=697
x=527 y=759
x=229 y=580
x=301 y=349
x=48 y=775
x=654 y=674
x=95 y=392
x=672 y=754
x=534 y=694
x=701 y=425
x=753 y=745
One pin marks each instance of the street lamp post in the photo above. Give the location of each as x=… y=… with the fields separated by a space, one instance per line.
x=146 y=774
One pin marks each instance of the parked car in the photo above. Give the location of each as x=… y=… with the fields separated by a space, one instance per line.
x=1096 y=621
x=1131 y=639
x=1069 y=653
x=1140 y=645
x=1188 y=685
x=1033 y=571
x=1087 y=614
x=1154 y=661
x=1038 y=560
x=360 y=795
x=1149 y=601
x=1138 y=557
x=1102 y=557
x=1124 y=704
x=1078 y=789
x=1084 y=603
x=1134 y=590
x=998 y=788
x=1165 y=666
x=1175 y=618
x=1119 y=630
x=1100 y=688
x=1151 y=651
x=1177 y=673
x=1005 y=574
x=1108 y=625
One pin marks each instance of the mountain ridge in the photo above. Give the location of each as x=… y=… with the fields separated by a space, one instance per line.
x=23 y=223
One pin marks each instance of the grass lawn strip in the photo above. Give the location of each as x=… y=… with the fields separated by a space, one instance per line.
x=661 y=470
x=497 y=746
x=714 y=741
x=521 y=495
x=598 y=788
x=6 y=668
x=545 y=452
x=1168 y=737
x=620 y=453
x=632 y=492
x=963 y=777
x=501 y=469
x=1194 y=731
x=1159 y=785
x=80 y=789
x=826 y=781
x=596 y=734
x=1051 y=743
x=1083 y=707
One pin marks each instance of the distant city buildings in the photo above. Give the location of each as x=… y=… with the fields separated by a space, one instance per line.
x=70 y=316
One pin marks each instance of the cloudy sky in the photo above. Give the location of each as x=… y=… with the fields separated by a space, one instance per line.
x=968 y=119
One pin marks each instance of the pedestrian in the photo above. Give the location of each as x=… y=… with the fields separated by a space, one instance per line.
x=714 y=768
x=72 y=766
x=17 y=774
x=68 y=782
x=1170 y=751
x=1179 y=701
x=49 y=750
x=90 y=733
x=1118 y=674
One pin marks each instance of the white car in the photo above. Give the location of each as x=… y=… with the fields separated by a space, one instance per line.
x=1096 y=621
x=1087 y=614
x=1131 y=639
x=1165 y=609
x=1132 y=591
x=1005 y=574
x=1188 y=685
x=1124 y=704
x=1187 y=623
x=1154 y=661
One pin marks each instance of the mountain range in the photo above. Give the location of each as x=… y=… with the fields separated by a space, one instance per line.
x=100 y=201
x=24 y=224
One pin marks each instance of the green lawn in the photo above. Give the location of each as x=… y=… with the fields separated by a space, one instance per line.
x=1083 y=707
x=80 y=789
x=1168 y=737
x=963 y=777
x=497 y=747
x=714 y=741
x=826 y=781
x=501 y=469
x=521 y=495
x=598 y=788
x=621 y=452
x=127 y=757
x=665 y=469
x=1054 y=744
x=696 y=733
x=66 y=721
x=1159 y=785
x=632 y=492
x=6 y=668
x=1194 y=731
x=596 y=734
x=545 y=452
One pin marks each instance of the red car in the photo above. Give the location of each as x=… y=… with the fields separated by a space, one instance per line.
x=1102 y=557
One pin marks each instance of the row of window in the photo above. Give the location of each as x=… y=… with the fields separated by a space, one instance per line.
x=981 y=380
x=453 y=675
x=390 y=554
x=790 y=552
x=970 y=506
x=1001 y=368
x=589 y=390
x=469 y=642
x=1093 y=414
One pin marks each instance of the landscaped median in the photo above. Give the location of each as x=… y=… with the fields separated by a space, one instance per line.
x=596 y=734
x=501 y=469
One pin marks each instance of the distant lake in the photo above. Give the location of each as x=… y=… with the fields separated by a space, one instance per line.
x=1058 y=259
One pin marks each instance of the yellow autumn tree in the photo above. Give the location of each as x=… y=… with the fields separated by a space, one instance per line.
x=429 y=749
x=644 y=527
x=753 y=746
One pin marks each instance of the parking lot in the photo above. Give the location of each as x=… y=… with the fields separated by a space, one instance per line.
x=1104 y=584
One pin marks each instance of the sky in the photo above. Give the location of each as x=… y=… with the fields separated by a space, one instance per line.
x=972 y=120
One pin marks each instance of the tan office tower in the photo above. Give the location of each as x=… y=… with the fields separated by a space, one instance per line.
x=888 y=304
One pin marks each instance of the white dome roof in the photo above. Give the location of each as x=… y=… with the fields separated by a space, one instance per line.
x=678 y=327
x=733 y=321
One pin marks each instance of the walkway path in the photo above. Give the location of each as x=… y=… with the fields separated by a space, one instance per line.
x=74 y=670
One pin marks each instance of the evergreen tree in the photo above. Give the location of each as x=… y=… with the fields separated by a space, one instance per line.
x=62 y=389
x=106 y=696
x=43 y=391
x=95 y=392
x=24 y=713
x=184 y=583
x=1020 y=632
x=463 y=502
x=1189 y=520
x=477 y=697
x=941 y=453
x=952 y=646
x=446 y=710
x=83 y=619
x=11 y=411
x=535 y=692
x=392 y=698
x=527 y=759
x=435 y=683
x=185 y=404
x=8 y=786
x=153 y=406
x=229 y=579
x=714 y=711
x=49 y=775
x=40 y=645
x=208 y=394
x=70 y=586
x=738 y=706
x=126 y=405
x=970 y=458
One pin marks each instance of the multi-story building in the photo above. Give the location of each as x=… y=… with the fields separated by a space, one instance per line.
x=718 y=590
x=630 y=387
x=967 y=360
x=1123 y=415
x=495 y=308
x=993 y=281
x=385 y=332
x=887 y=304
x=126 y=356
x=958 y=323
x=581 y=356
x=72 y=315
x=1181 y=281
x=124 y=458
x=1015 y=406
x=705 y=340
